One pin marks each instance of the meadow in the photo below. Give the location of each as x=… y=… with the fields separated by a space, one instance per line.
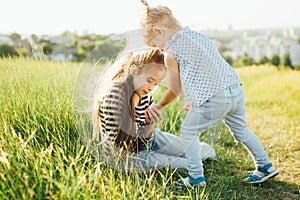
x=42 y=157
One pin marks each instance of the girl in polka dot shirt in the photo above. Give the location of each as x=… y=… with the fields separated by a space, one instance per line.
x=209 y=84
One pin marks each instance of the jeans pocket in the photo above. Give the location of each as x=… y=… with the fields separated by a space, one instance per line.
x=213 y=109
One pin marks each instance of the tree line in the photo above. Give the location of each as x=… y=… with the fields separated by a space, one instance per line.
x=102 y=47
x=80 y=46
x=275 y=60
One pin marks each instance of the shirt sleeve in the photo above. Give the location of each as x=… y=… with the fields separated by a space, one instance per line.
x=144 y=143
x=110 y=112
x=144 y=103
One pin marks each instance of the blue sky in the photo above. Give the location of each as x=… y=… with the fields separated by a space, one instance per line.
x=117 y=16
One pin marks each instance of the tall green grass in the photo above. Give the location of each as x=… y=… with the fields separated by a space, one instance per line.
x=41 y=156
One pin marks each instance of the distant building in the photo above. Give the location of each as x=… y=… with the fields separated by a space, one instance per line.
x=63 y=54
x=61 y=40
x=258 y=44
x=295 y=54
x=32 y=46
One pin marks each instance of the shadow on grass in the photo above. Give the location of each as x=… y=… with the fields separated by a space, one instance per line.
x=227 y=183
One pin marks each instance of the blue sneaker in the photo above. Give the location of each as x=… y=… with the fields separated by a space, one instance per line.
x=189 y=181
x=262 y=174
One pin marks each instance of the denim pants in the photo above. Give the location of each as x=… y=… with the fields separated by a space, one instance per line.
x=228 y=105
x=166 y=150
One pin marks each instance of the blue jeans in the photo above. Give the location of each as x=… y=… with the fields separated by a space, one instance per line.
x=165 y=150
x=229 y=106
x=168 y=150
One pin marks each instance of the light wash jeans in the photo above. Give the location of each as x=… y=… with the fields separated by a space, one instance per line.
x=168 y=150
x=228 y=105
x=165 y=150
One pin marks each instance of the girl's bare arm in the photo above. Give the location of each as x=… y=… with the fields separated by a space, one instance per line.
x=174 y=81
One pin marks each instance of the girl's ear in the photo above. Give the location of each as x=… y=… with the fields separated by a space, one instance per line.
x=134 y=70
x=157 y=29
x=134 y=73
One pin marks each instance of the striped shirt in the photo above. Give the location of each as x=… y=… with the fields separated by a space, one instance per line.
x=111 y=107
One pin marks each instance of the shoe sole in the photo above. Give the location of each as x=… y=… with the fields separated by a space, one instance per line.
x=190 y=186
x=271 y=175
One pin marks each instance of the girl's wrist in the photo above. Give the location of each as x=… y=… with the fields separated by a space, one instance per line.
x=160 y=106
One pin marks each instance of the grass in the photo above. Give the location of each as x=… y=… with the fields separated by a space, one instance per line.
x=41 y=156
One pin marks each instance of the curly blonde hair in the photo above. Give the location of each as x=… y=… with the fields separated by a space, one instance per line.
x=154 y=16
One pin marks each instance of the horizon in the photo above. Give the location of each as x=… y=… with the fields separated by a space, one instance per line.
x=202 y=30
x=123 y=16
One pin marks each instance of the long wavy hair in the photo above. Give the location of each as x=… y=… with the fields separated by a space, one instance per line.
x=131 y=65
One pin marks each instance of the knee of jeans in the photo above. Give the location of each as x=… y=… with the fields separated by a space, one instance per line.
x=241 y=134
x=152 y=160
x=187 y=137
x=189 y=141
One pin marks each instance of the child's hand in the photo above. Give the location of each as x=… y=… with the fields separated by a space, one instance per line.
x=187 y=106
x=156 y=106
x=153 y=115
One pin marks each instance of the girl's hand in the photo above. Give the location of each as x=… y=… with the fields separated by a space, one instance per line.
x=187 y=107
x=156 y=106
x=153 y=114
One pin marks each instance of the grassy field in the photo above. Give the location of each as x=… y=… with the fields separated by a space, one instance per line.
x=41 y=156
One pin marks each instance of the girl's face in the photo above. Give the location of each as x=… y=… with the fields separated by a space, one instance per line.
x=145 y=82
x=160 y=37
x=163 y=32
